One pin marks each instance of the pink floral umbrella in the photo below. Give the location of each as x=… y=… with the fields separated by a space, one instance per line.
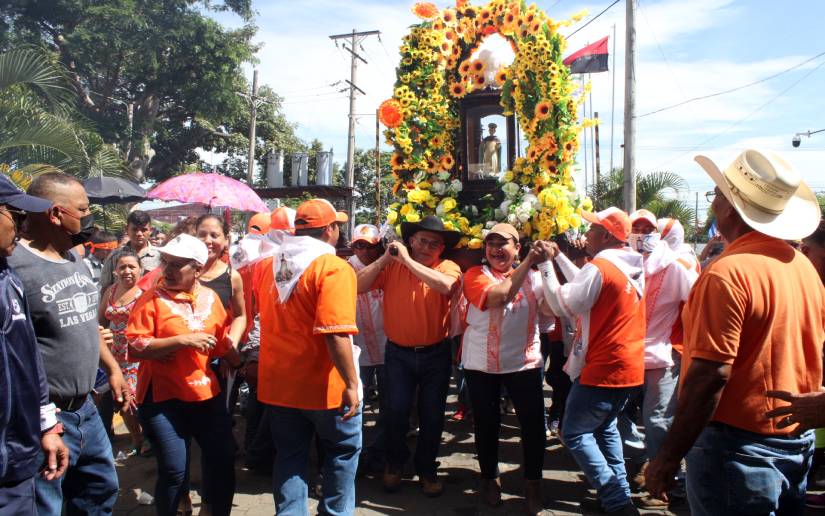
x=210 y=189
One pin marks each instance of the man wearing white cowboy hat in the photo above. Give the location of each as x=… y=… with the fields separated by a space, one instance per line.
x=753 y=323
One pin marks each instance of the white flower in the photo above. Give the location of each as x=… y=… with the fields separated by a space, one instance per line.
x=443 y=175
x=510 y=189
x=505 y=206
x=439 y=187
x=456 y=186
x=523 y=216
x=526 y=206
x=512 y=219
x=498 y=214
x=531 y=199
x=491 y=223
x=484 y=233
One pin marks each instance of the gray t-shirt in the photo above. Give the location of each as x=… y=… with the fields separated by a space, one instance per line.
x=63 y=303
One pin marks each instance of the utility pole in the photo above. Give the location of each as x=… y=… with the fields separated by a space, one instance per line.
x=629 y=109
x=355 y=38
x=613 y=99
x=253 y=101
x=377 y=170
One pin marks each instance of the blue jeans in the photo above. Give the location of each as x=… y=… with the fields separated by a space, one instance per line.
x=170 y=426
x=378 y=445
x=18 y=498
x=292 y=433
x=90 y=484
x=427 y=370
x=733 y=472
x=589 y=432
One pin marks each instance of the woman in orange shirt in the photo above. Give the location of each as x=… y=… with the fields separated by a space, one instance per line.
x=175 y=329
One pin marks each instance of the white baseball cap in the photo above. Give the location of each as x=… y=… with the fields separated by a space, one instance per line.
x=186 y=246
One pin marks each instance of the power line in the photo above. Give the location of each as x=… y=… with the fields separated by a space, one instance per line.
x=764 y=79
x=760 y=108
x=591 y=20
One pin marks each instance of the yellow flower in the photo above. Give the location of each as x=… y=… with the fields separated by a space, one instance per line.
x=447 y=204
x=418 y=196
x=474 y=243
x=407 y=209
x=392 y=216
x=413 y=217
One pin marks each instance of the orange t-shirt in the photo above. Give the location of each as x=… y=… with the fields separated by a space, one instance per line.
x=294 y=367
x=160 y=313
x=759 y=307
x=616 y=348
x=414 y=314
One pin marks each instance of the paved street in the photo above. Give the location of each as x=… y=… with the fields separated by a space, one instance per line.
x=563 y=485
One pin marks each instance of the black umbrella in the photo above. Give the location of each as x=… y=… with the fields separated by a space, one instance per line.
x=113 y=190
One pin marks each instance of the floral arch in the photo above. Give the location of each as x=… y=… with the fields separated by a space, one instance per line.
x=436 y=71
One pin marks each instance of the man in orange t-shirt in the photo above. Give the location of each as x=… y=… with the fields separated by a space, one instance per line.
x=418 y=286
x=753 y=324
x=307 y=375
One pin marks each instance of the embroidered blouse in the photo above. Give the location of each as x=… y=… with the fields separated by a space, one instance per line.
x=162 y=313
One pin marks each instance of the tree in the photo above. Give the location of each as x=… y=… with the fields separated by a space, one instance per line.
x=39 y=128
x=366 y=186
x=652 y=191
x=160 y=79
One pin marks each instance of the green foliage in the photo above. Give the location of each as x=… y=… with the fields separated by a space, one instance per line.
x=366 y=186
x=655 y=191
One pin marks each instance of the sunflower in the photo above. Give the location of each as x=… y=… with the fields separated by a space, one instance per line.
x=447 y=162
x=501 y=76
x=397 y=160
x=448 y=16
x=435 y=141
x=543 y=110
x=509 y=18
x=425 y=10
x=532 y=154
x=470 y=12
x=457 y=90
x=550 y=159
x=389 y=113
x=484 y=16
x=432 y=165
x=478 y=80
x=534 y=28
x=465 y=67
x=524 y=32
x=478 y=67
x=529 y=17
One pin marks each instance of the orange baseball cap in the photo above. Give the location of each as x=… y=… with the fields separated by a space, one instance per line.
x=367 y=233
x=258 y=224
x=282 y=219
x=317 y=213
x=613 y=220
x=643 y=214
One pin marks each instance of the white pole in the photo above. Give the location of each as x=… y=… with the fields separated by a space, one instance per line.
x=629 y=110
x=613 y=99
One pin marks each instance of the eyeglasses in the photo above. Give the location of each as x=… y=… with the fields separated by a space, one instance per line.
x=432 y=244
x=710 y=195
x=17 y=216
x=363 y=245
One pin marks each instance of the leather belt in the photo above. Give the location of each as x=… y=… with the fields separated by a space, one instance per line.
x=69 y=404
x=418 y=349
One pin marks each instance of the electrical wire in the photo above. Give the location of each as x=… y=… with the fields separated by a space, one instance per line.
x=591 y=20
x=757 y=110
x=748 y=85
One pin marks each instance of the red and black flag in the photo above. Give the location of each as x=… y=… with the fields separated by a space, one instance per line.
x=590 y=59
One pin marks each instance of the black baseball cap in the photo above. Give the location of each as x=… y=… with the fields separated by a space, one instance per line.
x=16 y=198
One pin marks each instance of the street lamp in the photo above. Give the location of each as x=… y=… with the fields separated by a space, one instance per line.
x=797 y=138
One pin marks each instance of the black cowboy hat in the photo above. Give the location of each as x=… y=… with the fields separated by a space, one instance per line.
x=433 y=224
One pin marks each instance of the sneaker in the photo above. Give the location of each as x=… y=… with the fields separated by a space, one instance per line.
x=460 y=413
x=554 y=428
x=815 y=501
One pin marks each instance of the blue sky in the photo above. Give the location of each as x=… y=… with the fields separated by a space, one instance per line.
x=684 y=50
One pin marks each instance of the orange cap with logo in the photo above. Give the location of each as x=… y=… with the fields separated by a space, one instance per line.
x=613 y=220
x=367 y=233
x=258 y=224
x=317 y=213
x=282 y=219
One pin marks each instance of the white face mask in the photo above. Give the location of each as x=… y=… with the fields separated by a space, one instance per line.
x=644 y=243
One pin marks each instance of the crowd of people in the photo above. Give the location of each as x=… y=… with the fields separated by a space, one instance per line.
x=703 y=378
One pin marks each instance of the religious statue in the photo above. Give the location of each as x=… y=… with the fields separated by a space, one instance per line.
x=491 y=152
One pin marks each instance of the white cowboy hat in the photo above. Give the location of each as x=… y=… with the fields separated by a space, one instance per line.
x=767 y=193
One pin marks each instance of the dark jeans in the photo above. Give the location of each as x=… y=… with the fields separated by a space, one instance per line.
x=340 y=441
x=18 y=498
x=558 y=380
x=260 y=451
x=733 y=472
x=90 y=484
x=377 y=447
x=524 y=389
x=428 y=370
x=170 y=426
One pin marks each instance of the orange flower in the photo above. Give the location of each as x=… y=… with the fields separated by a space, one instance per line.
x=479 y=66
x=389 y=113
x=447 y=162
x=509 y=18
x=425 y=10
x=432 y=165
x=532 y=154
x=397 y=160
x=461 y=3
x=550 y=159
x=448 y=16
x=484 y=16
x=457 y=90
x=489 y=29
x=465 y=66
x=501 y=76
x=395 y=187
x=543 y=110
x=478 y=80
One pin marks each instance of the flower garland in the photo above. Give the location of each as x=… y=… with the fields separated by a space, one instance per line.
x=436 y=70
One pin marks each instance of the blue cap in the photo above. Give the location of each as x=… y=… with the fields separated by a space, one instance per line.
x=14 y=197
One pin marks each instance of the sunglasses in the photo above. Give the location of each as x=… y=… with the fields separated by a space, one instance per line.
x=710 y=195
x=16 y=216
x=363 y=245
